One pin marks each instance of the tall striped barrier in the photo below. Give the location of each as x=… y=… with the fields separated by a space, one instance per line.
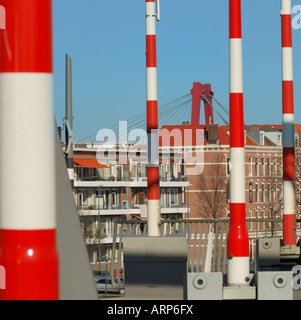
x=153 y=181
x=238 y=239
x=27 y=146
x=289 y=200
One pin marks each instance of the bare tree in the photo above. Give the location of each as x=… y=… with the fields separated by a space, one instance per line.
x=212 y=184
x=274 y=205
x=93 y=233
x=274 y=201
x=212 y=196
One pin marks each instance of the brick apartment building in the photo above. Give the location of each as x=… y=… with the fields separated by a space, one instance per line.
x=263 y=167
x=208 y=192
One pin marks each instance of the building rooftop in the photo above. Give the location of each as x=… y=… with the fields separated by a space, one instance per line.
x=199 y=135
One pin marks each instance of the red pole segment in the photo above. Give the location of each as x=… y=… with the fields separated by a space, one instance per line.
x=153 y=181
x=289 y=200
x=27 y=144
x=238 y=240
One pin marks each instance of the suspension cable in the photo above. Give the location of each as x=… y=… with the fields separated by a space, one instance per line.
x=226 y=122
x=140 y=120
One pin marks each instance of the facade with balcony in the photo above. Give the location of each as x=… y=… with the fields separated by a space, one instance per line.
x=109 y=189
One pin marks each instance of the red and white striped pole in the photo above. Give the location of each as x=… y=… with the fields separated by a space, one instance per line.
x=27 y=145
x=289 y=200
x=238 y=240
x=153 y=187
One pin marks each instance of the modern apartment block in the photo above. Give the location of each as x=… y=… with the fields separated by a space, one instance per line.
x=110 y=184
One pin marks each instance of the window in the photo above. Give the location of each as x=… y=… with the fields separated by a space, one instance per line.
x=108 y=226
x=140 y=198
x=162 y=170
x=250 y=166
x=162 y=197
x=139 y=169
x=143 y=170
x=274 y=192
x=119 y=173
x=263 y=216
x=250 y=224
x=99 y=201
x=228 y=166
x=280 y=167
x=86 y=172
x=228 y=192
x=114 y=197
x=80 y=197
x=250 y=193
x=262 y=167
x=268 y=166
x=88 y=197
x=281 y=193
x=104 y=253
x=183 y=195
x=269 y=193
x=262 y=193
x=256 y=193
x=134 y=169
x=256 y=167
x=103 y=281
x=275 y=167
x=182 y=168
x=257 y=223
x=172 y=197
x=101 y=198
x=171 y=169
x=269 y=223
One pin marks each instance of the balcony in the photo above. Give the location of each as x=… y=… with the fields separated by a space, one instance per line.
x=129 y=209
x=109 y=210
x=96 y=181
x=119 y=176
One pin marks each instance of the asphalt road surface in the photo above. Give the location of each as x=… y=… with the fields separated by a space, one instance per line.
x=111 y=296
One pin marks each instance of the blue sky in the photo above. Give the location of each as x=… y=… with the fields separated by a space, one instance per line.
x=106 y=41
